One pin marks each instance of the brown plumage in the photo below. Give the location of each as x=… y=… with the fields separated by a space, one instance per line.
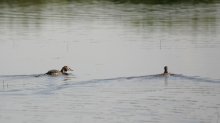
x=63 y=71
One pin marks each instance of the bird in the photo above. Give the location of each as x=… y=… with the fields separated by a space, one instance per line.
x=63 y=71
x=166 y=73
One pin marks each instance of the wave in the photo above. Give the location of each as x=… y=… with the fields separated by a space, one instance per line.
x=44 y=84
x=144 y=77
x=160 y=76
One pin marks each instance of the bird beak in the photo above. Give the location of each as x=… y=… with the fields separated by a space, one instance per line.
x=70 y=69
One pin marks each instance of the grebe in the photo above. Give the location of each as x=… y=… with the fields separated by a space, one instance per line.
x=63 y=71
x=166 y=73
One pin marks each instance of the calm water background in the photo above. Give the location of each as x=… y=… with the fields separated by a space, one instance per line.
x=113 y=48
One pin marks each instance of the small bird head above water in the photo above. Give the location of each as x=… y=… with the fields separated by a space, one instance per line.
x=65 y=69
x=166 y=73
x=165 y=69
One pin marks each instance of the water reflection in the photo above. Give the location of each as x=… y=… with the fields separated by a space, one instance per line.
x=25 y=2
x=73 y=31
x=26 y=12
x=118 y=40
x=181 y=24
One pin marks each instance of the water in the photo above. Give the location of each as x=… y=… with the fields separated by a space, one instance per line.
x=115 y=49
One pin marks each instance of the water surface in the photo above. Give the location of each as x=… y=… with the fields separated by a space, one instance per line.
x=114 y=49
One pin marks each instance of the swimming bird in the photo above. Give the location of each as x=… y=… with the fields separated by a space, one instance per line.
x=166 y=73
x=63 y=71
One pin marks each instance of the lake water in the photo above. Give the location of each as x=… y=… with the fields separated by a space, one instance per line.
x=116 y=50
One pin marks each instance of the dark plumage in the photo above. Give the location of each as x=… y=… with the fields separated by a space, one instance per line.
x=166 y=73
x=63 y=71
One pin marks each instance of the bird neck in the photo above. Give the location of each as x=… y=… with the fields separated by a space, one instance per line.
x=63 y=70
x=165 y=71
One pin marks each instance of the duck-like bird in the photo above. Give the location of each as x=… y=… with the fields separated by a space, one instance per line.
x=63 y=71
